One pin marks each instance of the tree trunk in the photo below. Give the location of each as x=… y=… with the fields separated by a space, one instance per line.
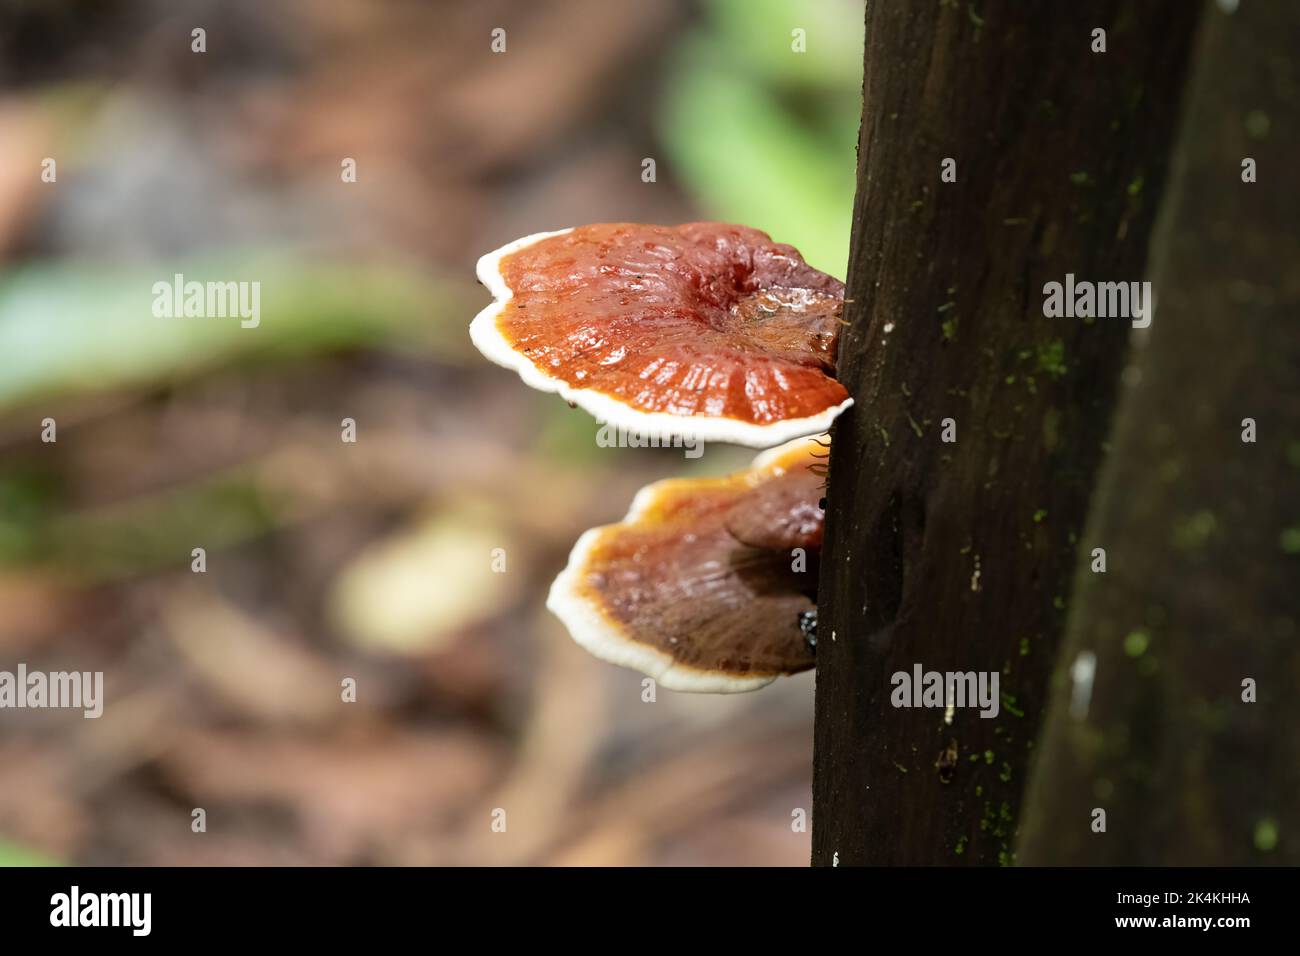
x=959 y=556
x=1201 y=528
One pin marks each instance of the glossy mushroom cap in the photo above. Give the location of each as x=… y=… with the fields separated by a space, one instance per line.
x=705 y=330
x=687 y=589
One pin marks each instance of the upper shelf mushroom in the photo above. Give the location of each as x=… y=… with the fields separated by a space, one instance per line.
x=699 y=585
x=706 y=330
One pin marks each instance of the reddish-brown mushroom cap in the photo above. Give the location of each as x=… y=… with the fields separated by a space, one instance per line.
x=706 y=330
x=673 y=592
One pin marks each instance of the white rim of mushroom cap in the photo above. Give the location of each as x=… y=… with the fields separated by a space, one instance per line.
x=598 y=635
x=606 y=409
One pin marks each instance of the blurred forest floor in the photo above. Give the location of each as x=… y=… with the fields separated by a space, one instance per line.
x=372 y=560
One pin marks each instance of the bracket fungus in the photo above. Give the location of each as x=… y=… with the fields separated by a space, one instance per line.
x=707 y=330
x=700 y=586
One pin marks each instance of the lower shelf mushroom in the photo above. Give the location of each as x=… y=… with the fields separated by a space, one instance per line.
x=707 y=584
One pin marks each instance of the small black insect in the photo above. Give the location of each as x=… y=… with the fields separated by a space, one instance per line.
x=822 y=504
x=808 y=627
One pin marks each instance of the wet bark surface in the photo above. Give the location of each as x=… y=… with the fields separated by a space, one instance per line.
x=959 y=555
x=1202 y=528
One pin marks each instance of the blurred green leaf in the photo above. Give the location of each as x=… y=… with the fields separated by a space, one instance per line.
x=137 y=535
x=29 y=495
x=764 y=136
x=158 y=530
x=75 y=328
x=13 y=855
x=759 y=34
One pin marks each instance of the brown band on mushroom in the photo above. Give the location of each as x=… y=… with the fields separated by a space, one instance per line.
x=673 y=593
x=706 y=328
x=781 y=515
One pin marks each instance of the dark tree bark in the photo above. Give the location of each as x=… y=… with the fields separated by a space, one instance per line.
x=960 y=556
x=1201 y=529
